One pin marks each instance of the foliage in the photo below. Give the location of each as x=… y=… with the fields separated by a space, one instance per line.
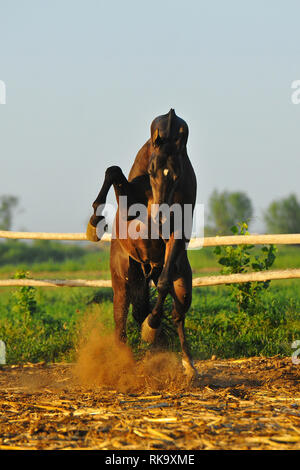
x=14 y=251
x=7 y=206
x=31 y=327
x=239 y=259
x=283 y=215
x=24 y=297
x=214 y=325
x=227 y=208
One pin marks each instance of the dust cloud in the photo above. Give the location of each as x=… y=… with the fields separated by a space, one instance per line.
x=103 y=362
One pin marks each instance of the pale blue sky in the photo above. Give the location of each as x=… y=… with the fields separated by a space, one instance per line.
x=85 y=79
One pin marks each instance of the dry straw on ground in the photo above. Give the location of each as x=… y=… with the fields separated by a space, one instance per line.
x=237 y=404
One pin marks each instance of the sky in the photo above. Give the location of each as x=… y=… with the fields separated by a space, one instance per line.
x=84 y=80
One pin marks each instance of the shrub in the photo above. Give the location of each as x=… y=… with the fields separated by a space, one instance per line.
x=241 y=259
x=24 y=298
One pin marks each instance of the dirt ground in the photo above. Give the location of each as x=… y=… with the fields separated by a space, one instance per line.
x=237 y=404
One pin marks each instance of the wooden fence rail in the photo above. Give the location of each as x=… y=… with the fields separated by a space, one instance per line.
x=286 y=239
x=281 y=239
x=197 y=282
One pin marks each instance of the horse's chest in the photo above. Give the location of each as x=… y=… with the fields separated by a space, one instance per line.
x=144 y=249
x=137 y=238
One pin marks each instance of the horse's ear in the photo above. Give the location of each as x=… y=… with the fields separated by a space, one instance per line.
x=182 y=138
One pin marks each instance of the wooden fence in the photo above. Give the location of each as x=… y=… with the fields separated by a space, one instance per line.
x=282 y=239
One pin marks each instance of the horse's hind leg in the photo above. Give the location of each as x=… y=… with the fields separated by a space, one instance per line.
x=139 y=296
x=119 y=265
x=130 y=288
x=121 y=306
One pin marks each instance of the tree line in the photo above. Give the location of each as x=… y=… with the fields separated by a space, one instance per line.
x=225 y=209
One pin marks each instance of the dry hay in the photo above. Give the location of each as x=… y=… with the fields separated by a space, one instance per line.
x=237 y=404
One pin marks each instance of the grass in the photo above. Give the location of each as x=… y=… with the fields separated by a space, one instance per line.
x=223 y=331
x=214 y=325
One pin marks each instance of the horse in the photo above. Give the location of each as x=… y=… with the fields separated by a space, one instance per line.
x=161 y=176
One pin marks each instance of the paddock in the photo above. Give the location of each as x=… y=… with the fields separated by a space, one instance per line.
x=238 y=404
x=244 y=404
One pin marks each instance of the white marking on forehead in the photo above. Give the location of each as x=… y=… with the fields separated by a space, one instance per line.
x=166 y=171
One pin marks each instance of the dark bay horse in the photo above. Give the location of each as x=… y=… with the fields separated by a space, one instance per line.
x=162 y=175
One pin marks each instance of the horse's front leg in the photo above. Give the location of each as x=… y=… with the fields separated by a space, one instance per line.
x=175 y=247
x=151 y=324
x=97 y=224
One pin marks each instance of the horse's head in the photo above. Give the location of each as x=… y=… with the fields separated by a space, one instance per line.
x=169 y=135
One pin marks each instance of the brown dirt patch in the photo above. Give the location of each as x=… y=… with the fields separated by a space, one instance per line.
x=237 y=404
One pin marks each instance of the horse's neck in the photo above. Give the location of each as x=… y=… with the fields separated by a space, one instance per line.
x=141 y=162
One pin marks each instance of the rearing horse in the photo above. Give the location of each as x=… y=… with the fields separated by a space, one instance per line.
x=162 y=174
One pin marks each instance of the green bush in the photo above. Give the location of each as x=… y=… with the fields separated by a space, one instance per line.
x=24 y=298
x=239 y=259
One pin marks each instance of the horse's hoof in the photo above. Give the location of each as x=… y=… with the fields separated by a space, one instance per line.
x=149 y=334
x=191 y=373
x=91 y=233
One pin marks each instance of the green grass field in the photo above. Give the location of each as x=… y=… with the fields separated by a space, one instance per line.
x=46 y=324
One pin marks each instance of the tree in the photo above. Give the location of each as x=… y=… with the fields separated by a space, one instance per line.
x=283 y=215
x=7 y=206
x=227 y=209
